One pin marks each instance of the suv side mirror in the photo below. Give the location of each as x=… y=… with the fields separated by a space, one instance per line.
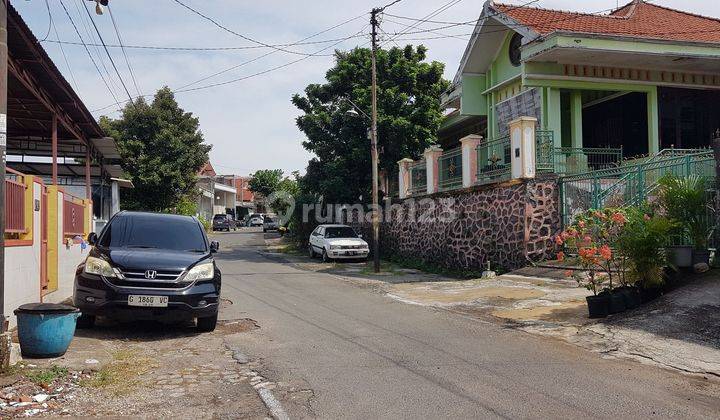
x=92 y=238
x=214 y=246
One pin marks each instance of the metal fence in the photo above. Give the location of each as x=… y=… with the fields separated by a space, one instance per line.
x=14 y=202
x=628 y=184
x=74 y=214
x=418 y=177
x=450 y=169
x=493 y=161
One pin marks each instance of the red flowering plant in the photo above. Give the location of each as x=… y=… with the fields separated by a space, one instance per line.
x=592 y=237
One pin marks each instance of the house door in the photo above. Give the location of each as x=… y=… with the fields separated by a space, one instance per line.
x=43 y=241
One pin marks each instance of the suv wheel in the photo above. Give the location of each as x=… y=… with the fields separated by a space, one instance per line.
x=86 y=321
x=207 y=324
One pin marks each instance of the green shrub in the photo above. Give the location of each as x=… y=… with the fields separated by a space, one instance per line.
x=641 y=245
x=685 y=201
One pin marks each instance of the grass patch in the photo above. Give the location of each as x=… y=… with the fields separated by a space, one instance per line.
x=122 y=375
x=386 y=267
x=45 y=376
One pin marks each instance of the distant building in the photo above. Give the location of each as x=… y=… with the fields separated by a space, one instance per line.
x=217 y=193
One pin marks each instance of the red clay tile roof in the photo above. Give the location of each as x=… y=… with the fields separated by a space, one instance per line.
x=637 y=19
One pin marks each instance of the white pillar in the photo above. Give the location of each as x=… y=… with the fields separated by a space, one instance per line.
x=469 y=145
x=522 y=147
x=114 y=198
x=404 y=181
x=432 y=156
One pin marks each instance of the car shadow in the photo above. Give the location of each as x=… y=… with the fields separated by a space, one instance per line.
x=138 y=331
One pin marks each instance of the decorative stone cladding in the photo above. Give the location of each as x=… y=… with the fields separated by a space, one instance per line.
x=510 y=224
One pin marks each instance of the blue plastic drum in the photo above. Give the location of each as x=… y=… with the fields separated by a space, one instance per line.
x=46 y=329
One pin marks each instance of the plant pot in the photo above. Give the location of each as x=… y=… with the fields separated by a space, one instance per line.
x=598 y=306
x=700 y=256
x=631 y=296
x=680 y=256
x=617 y=303
x=648 y=295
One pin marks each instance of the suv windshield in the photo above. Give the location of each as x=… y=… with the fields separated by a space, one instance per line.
x=220 y=217
x=340 y=232
x=154 y=231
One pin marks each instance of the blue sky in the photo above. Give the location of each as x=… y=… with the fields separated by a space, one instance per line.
x=250 y=123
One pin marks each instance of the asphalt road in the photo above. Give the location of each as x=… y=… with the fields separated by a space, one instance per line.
x=340 y=350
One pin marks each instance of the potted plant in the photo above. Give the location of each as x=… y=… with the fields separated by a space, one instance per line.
x=641 y=245
x=592 y=235
x=598 y=304
x=684 y=201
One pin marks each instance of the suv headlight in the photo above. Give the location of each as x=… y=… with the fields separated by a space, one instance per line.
x=99 y=267
x=204 y=271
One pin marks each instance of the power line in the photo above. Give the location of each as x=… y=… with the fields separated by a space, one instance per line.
x=166 y=48
x=89 y=54
x=127 y=61
x=99 y=54
x=50 y=21
x=102 y=41
x=337 y=42
x=67 y=63
x=430 y=15
x=245 y=37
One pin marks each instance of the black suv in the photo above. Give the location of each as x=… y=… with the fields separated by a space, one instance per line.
x=149 y=266
x=224 y=222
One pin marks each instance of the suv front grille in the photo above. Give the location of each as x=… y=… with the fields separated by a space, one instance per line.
x=162 y=280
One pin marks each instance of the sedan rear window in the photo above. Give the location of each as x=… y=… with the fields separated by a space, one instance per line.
x=171 y=233
x=340 y=232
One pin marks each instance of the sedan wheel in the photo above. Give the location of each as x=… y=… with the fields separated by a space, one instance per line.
x=325 y=257
x=311 y=252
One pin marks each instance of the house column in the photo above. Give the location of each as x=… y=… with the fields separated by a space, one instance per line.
x=522 y=147
x=469 y=145
x=404 y=177
x=553 y=117
x=88 y=187
x=576 y=114
x=54 y=149
x=114 y=198
x=432 y=157
x=653 y=121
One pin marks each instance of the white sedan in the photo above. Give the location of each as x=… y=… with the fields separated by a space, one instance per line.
x=337 y=242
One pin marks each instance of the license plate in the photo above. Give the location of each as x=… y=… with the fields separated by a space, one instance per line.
x=144 y=300
x=352 y=253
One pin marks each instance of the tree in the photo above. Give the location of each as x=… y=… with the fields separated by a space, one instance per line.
x=409 y=115
x=162 y=150
x=265 y=181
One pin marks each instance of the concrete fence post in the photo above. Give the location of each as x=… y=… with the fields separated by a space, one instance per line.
x=469 y=146
x=522 y=147
x=432 y=158
x=404 y=181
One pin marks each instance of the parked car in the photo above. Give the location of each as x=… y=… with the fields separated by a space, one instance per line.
x=337 y=242
x=224 y=222
x=270 y=223
x=256 y=221
x=149 y=266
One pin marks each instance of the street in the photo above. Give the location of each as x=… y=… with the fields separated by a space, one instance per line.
x=335 y=349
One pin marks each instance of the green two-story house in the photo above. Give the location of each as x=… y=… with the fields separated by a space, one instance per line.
x=642 y=78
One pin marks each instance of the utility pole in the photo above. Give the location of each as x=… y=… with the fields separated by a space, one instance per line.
x=3 y=147
x=373 y=146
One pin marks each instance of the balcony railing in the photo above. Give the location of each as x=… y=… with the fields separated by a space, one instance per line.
x=450 y=169
x=14 y=203
x=493 y=161
x=575 y=160
x=418 y=177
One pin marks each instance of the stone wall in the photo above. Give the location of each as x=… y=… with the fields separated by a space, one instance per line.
x=509 y=224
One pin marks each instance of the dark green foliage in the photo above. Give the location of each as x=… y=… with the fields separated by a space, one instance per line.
x=409 y=114
x=162 y=151
x=265 y=181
